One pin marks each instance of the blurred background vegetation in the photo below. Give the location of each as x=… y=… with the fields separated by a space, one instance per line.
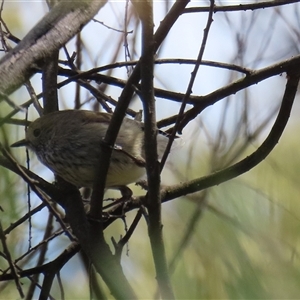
x=238 y=240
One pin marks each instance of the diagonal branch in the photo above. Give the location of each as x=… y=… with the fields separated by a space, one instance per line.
x=238 y=85
x=14 y=273
x=50 y=34
x=249 y=162
x=191 y=83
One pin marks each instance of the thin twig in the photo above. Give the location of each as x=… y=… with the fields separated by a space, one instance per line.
x=124 y=240
x=241 y=7
x=190 y=85
x=24 y=218
x=14 y=272
x=34 y=98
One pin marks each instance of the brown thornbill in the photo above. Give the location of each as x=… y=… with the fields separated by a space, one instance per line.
x=68 y=142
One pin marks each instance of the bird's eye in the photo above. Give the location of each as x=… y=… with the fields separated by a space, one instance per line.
x=36 y=132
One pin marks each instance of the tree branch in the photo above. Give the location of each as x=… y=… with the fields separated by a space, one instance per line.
x=153 y=201
x=239 y=7
x=49 y=35
x=249 y=162
x=119 y=113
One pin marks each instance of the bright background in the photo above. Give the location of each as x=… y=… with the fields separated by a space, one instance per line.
x=245 y=243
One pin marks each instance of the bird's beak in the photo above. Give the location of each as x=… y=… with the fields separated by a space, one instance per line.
x=20 y=143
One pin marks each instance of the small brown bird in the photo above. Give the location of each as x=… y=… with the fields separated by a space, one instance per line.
x=68 y=142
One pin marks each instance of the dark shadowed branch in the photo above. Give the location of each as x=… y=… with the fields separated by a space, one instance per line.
x=252 y=160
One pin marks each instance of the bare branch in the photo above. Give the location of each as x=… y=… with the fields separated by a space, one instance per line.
x=43 y=40
x=241 y=7
x=249 y=162
x=11 y=264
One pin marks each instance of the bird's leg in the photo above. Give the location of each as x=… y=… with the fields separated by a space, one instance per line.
x=126 y=193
